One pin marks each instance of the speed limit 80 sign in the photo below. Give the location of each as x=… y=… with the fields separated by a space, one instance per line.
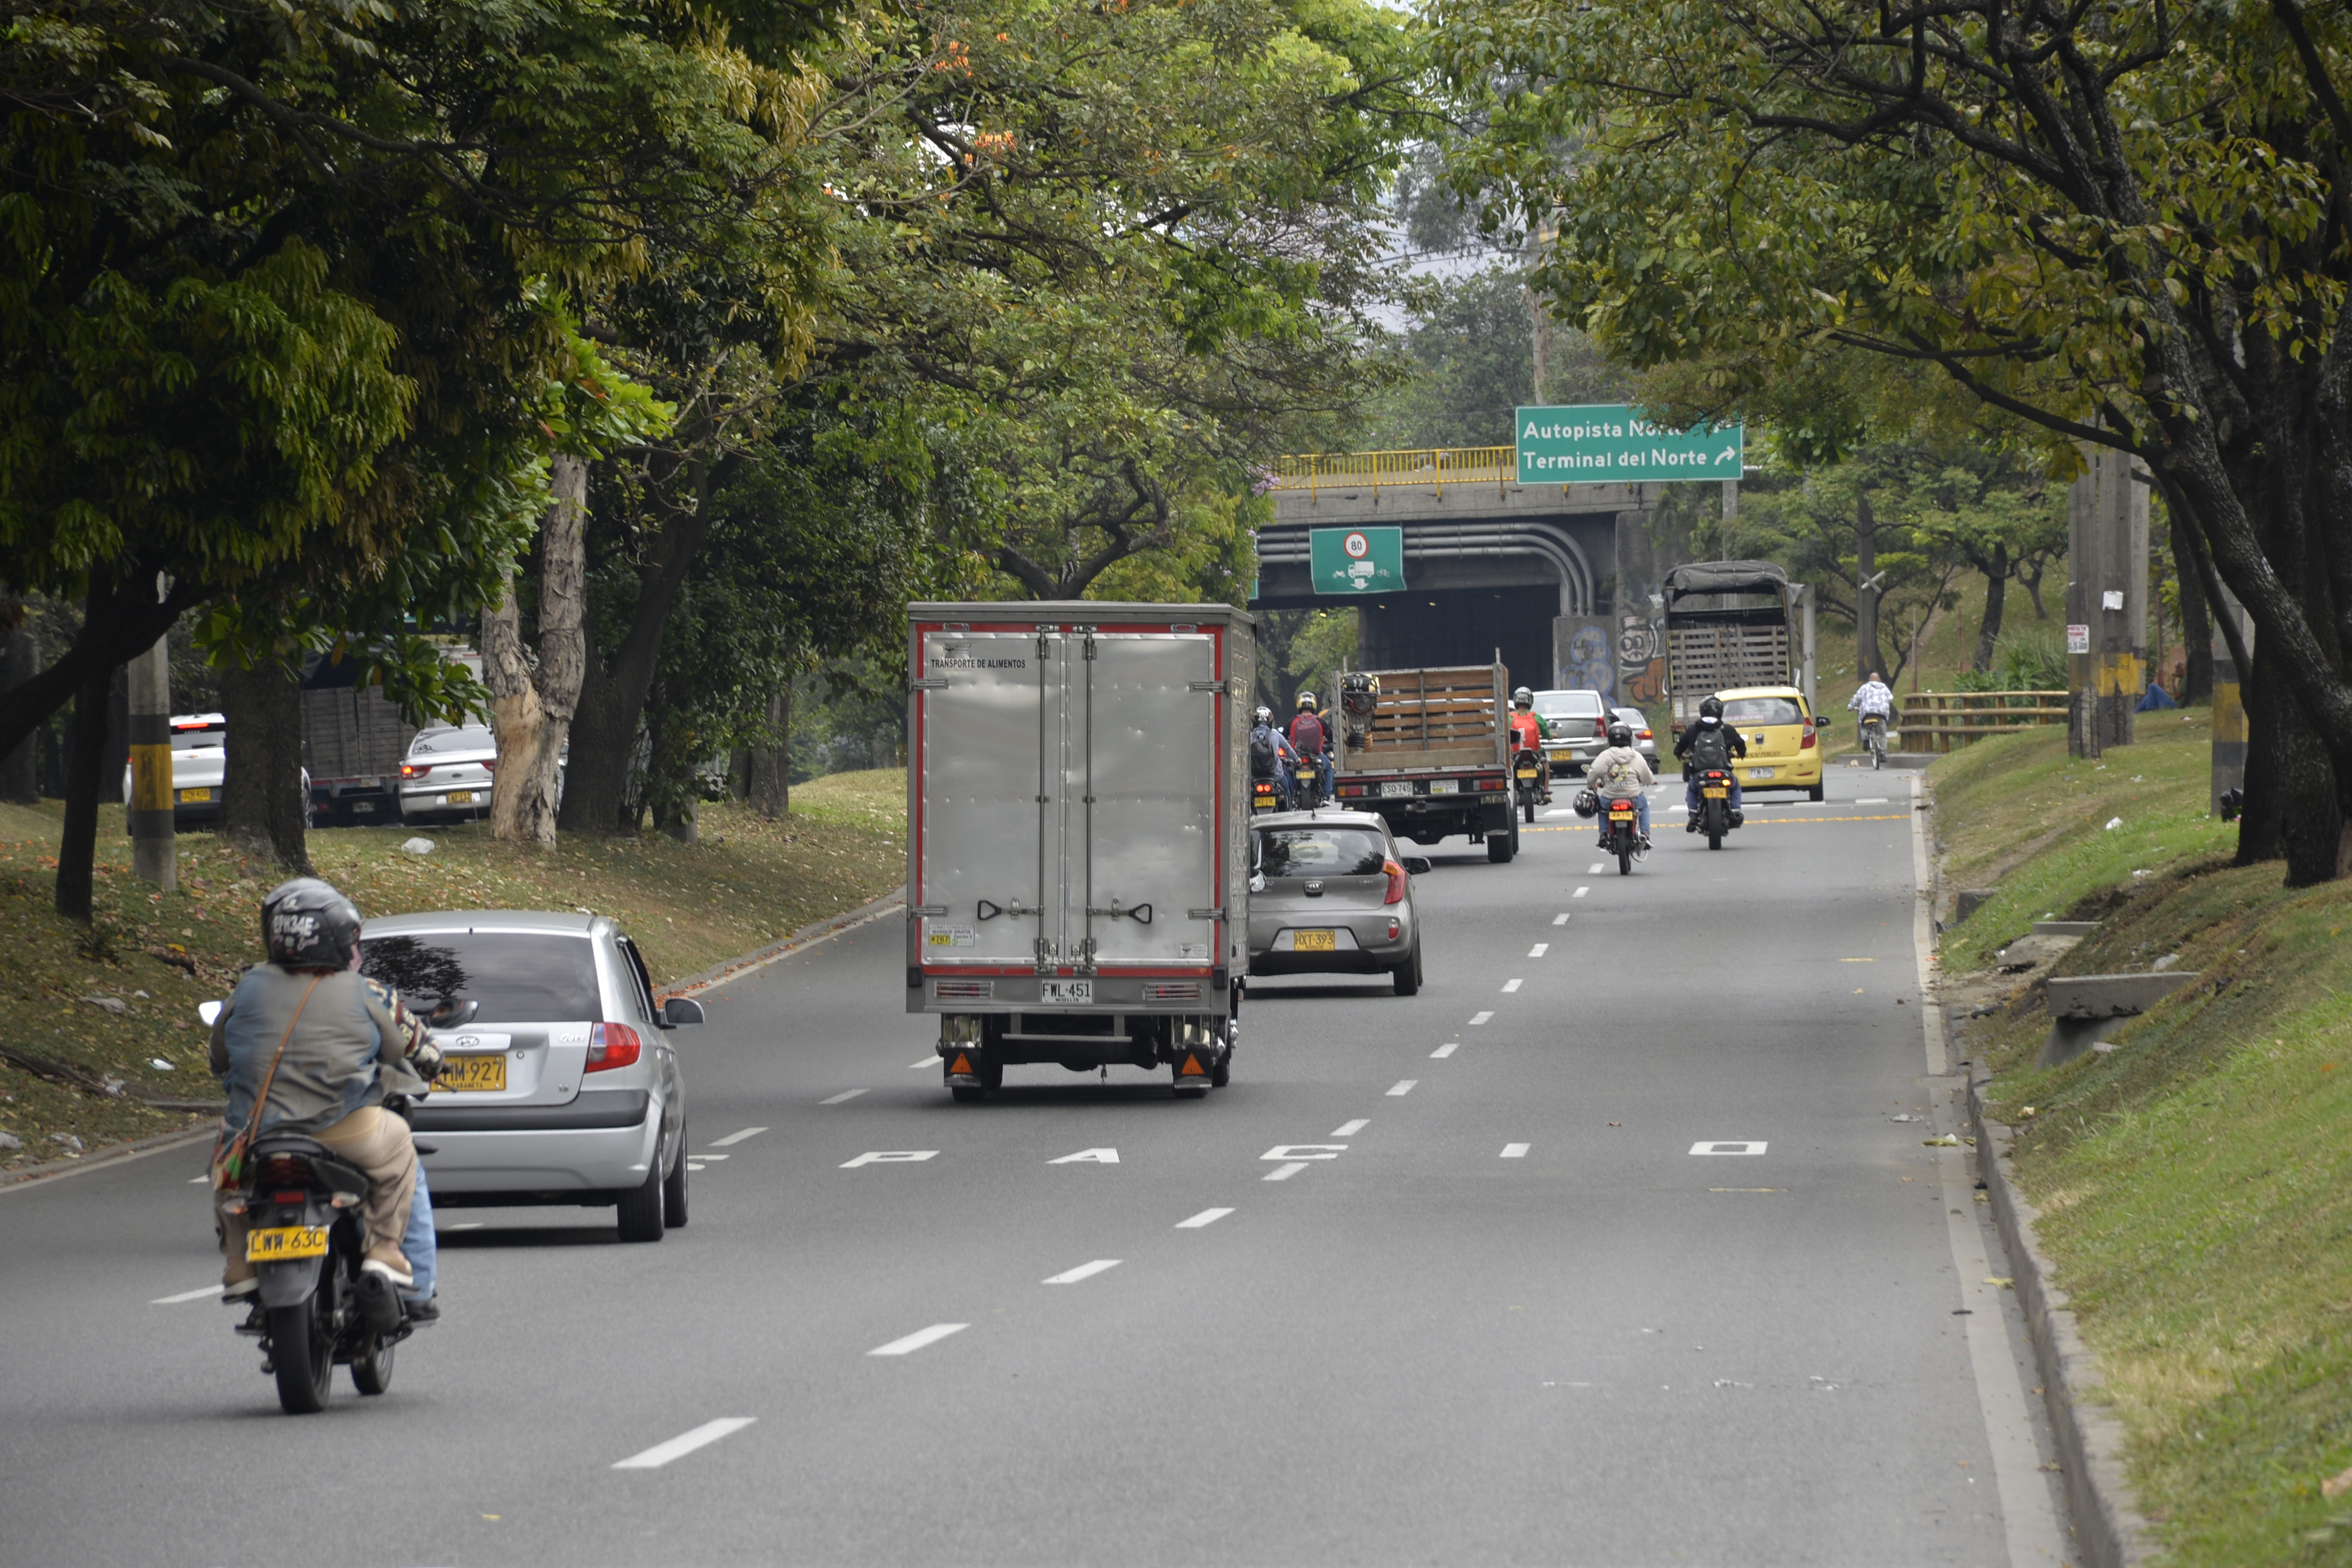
x=1357 y=560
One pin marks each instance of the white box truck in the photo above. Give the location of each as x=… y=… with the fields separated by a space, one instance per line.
x=1078 y=856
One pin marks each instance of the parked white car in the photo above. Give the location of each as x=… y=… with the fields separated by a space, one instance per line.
x=199 y=764
x=448 y=775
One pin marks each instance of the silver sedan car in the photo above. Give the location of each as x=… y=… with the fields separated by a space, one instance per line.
x=1331 y=893
x=560 y=1085
x=447 y=773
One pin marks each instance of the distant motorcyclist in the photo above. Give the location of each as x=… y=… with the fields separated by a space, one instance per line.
x=1529 y=731
x=1709 y=742
x=1620 y=772
x=307 y=1047
x=1310 y=738
x=1874 y=696
x=1271 y=756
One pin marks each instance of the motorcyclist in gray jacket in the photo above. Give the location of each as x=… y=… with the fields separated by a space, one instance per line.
x=322 y=1039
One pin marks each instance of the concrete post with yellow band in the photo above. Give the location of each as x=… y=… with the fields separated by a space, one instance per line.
x=2228 y=701
x=154 y=855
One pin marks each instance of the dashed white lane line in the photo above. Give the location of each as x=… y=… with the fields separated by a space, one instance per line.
x=1510 y=986
x=1580 y=892
x=929 y=1061
x=1871 y=800
x=1403 y=1086
x=198 y=1180
x=1205 y=1219
x=844 y=1094
x=686 y=1443
x=1595 y=869
x=1481 y=1018
x=469 y=1224
x=1560 y=918
x=1539 y=949
x=1446 y=1050
x=1083 y=1271
x=1515 y=1150
x=1350 y=1128
x=734 y=1138
x=1729 y=1146
x=186 y=1296
x=918 y=1339
x=1284 y=1173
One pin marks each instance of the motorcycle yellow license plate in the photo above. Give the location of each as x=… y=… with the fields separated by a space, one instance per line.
x=473 y=1075
x=281 y=1242
x=1314 y=942
x=1527 y=773
x=461 y=797
x=1716 y=792
x=1265 y=803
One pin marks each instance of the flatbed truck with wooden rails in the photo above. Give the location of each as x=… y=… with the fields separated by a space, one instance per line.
x=1430 y=751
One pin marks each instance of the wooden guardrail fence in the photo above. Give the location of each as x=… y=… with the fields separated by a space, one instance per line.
x=1945 y=721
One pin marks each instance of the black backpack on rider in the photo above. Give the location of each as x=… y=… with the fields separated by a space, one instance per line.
x=1711 y=749
x=1263 y=758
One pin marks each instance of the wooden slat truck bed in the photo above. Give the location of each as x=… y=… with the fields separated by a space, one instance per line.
x=1433 y=719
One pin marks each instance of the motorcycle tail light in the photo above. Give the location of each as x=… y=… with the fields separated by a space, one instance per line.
x=287 y=1197
x=1396 y=884
x=283 y=1171
x=613 y=1045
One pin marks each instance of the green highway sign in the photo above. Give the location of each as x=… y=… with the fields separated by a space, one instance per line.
x=1357 y=560
x=1610 y=443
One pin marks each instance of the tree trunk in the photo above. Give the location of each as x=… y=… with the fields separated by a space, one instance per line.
x=531 y=712
x=120 y=620
x=265 y=811
x=85 y=775
x=596 y=797
x=2033 y=590
x=769 y=790
x=1865 y=599
x=2196 y=621
x=20 y=774
x=1996 y=576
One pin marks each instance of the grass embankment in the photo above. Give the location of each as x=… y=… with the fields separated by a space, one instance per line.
x=689 y=906
x=2195 y=1183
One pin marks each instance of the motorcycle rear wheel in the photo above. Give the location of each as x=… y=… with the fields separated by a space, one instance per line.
x=1625 y=859
x=372 y=1369
x=302 y=1356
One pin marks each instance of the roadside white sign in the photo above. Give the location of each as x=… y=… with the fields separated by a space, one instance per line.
x=2078 y=639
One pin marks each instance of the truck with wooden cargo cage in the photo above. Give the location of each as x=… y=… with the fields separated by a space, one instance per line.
x=1077 y=855
x=1430 y=751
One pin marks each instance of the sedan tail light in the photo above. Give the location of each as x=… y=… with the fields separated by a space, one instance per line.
x=1396 y=882
x=414 y=769
x=612 y=1046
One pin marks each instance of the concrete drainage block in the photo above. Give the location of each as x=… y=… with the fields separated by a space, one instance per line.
x=2081 y=1005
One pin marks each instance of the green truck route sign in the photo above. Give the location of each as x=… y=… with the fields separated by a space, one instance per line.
x=1357 y=560
x=1610 y=443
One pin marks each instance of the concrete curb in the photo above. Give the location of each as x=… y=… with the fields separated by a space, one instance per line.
x=112 y=1153
x=2109 y=1526
x=760 y=957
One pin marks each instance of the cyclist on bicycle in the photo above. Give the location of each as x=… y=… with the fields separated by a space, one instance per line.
x=1875 y=700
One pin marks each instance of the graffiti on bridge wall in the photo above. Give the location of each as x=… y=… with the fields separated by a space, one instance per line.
x=1641 y=660
x=1624 y=658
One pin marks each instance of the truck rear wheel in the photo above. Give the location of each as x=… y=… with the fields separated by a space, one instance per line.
x=1501 y=846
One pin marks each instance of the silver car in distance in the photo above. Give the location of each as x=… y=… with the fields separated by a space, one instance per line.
x=1331 y=893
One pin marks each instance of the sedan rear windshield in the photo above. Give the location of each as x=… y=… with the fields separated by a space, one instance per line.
x=518 y=977
x=1746 y=711
x=1587 y=703
x=466 y=740
x=1321 y=852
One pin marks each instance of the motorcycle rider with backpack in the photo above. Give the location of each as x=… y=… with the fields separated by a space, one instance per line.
x=307 y=1046
x=1270 y=755
x=1709 y=743
x=1311 y=738
x=1620 y=772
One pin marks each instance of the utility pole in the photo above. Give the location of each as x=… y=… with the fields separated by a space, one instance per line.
x=2106 y=602
x=154 y=854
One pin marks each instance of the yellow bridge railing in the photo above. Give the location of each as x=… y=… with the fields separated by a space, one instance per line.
x=1417 y=468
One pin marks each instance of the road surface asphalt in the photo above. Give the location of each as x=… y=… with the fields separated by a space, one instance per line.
x=1617 y=1245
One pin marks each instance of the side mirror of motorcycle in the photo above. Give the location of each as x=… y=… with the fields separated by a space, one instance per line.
x=209 y=1012
x=681 y=1013
x=1416 y=865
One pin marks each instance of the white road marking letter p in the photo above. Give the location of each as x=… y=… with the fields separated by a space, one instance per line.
x=890 y=1157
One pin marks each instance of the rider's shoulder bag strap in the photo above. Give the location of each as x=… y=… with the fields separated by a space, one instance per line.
x=230 y=1166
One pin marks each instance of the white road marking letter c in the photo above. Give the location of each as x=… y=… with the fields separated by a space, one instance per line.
x=1305 y=1151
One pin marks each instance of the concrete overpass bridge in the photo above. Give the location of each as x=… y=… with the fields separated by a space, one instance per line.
x=1558 y=577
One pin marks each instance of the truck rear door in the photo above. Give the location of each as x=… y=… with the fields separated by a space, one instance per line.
x=1148 y=827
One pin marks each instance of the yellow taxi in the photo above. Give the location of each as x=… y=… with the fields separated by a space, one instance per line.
x=1784 y=749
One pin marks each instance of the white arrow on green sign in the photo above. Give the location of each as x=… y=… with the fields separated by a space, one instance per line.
x=1610 y=443
x=1356 y=560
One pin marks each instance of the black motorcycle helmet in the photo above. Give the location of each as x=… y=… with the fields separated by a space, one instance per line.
x=307 y=924
x=1711 y=707
x=1620 y=733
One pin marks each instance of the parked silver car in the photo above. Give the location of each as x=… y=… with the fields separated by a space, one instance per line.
x=447 y=773
x=1331 y=893
x=1579 y=721
x=562 y=1086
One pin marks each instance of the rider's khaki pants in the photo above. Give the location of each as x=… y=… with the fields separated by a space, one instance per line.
x=376 y=1140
